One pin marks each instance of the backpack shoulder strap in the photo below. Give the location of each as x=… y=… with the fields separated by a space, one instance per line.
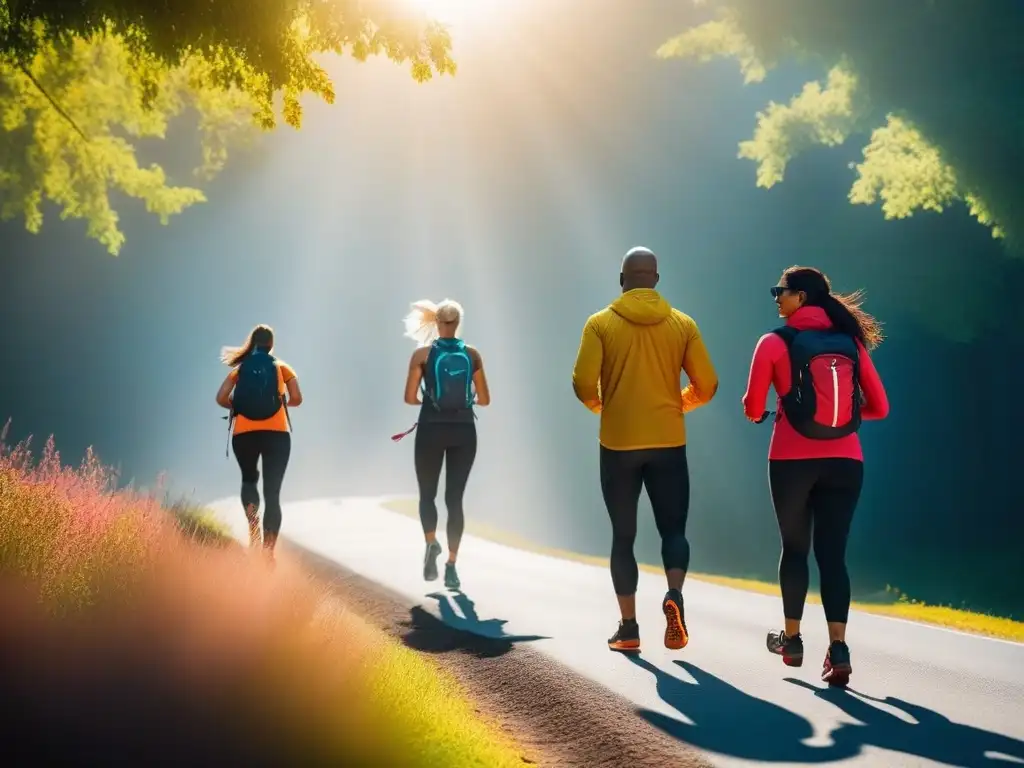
x=428 y=372
x=787 y=333
x=282 y=385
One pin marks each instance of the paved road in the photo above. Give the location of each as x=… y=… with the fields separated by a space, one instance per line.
x=921 y=695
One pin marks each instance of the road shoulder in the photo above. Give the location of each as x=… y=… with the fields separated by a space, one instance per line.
x=557 y=716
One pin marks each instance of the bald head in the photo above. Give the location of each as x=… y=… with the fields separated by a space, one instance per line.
x=639 y=269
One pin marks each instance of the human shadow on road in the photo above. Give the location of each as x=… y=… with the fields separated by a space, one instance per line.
x=933 y=737
x=730 y=722
x=468 y=633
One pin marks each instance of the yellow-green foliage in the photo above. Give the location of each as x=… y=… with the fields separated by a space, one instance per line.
x=261 y=46
x=901 y=167
x=69 y=120
x=721 y=38
x=79 y=86
x=818 y=115
x=907 y=173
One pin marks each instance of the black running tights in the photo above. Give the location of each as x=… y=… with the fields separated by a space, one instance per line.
x=275 y=448
x=453 y=445
x=814 y=502
x=665 y=474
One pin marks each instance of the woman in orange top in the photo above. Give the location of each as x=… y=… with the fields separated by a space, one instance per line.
x=267 y=436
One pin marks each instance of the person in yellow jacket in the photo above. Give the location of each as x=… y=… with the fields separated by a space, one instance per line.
x=628 y=370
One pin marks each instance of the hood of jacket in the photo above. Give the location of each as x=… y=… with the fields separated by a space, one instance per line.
x=809 y=319
x=643 y=306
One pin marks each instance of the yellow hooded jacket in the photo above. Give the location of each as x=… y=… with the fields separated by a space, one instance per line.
x=628 y=369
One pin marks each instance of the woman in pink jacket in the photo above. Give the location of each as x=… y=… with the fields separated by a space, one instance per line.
x=815 y=463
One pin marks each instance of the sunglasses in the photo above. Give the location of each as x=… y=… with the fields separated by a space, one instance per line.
x=778 y=290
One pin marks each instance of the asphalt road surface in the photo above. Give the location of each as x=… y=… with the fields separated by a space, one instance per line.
x=919 y=695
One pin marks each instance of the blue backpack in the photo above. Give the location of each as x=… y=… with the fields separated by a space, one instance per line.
x=448 y=376
x=257 y=396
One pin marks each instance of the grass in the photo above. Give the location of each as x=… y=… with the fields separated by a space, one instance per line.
x=123 y=637
x=891 y=603
x=200 y=525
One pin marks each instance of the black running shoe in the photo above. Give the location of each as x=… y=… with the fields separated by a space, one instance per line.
x=430 y=561
x=791 y=649
x=451 y=577
x=837 y=667
x=676 y=635
x=626 y=638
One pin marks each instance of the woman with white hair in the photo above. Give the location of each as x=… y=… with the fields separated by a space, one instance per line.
x=450 y=376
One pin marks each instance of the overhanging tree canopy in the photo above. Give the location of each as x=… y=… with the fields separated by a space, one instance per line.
x=79 y=81
x=940 y=77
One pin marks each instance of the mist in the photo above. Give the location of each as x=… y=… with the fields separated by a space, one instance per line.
x=515 y=188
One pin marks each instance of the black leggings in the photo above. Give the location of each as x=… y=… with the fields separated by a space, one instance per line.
x=818 y=495
x=275 y=448
x=454 y=445
x=666 y=476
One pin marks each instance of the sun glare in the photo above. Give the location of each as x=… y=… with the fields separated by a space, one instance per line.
x=462 y=14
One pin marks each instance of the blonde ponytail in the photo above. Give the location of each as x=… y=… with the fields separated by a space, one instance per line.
x=421 y=322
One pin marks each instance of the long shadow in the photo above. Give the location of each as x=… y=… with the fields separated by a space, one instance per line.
x=933 y=737
x=730 y=722
x=483 y=638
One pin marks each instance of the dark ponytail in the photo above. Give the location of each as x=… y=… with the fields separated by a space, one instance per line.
x=261 y=336
x=844 y=310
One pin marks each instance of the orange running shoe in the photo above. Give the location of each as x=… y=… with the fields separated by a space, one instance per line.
x=626 y=638
x=676 y=636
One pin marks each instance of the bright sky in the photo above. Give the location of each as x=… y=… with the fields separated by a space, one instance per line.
x=471 y=14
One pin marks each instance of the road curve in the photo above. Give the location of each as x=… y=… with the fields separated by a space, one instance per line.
x=920 y=695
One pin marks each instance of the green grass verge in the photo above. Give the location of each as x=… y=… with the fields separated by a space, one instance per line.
x=892 y=603
x=201 y=525
x=442 y=721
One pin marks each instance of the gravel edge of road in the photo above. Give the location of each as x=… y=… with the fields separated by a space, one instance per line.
x=558 y=717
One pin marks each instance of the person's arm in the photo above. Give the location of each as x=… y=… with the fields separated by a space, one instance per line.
x=224 y=393
x=414 y=377
x=586 y=372
x=759 y=380
x=699 y=370
x=483 y=392
x=291 y=384
x=876 y=402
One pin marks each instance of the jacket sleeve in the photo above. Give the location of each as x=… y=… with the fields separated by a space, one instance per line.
x=876 y=402
x=759 y=379
x=586 y=373
x=699 y=370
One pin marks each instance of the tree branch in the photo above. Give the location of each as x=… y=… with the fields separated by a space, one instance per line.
x=53 y=101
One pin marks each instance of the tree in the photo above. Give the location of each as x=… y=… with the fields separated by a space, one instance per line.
x=79 y=83
x=941 y=76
